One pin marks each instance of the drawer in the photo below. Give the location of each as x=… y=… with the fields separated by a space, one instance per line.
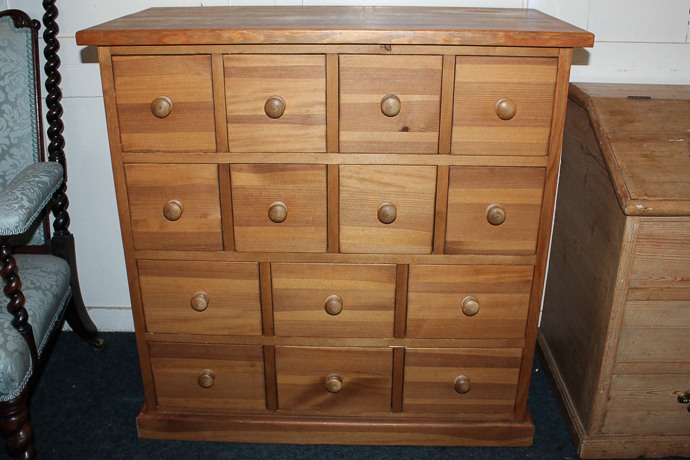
x=387 y=209
x=468 y=301
x=209 y=377
x=494 y=210
x=503 y=105
x=370 y=84
x=179 y=89
x=334 y=379
x=192 y=297
x=333 y=300
x=291 y=88
x=461 y=381
x=647 y=404
x=174 y=207
x=279 y=208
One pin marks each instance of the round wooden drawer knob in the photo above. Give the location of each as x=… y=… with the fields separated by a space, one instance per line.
x=505 y=108
x=387 y=213
x=470 y=305
x=277 y=212
x=161 y=106
x=334 y=304
x=390 y=105
x=206 y=378
x=274 y=107
x=462 y=384
x=173 y=210
x=334 y=384
x=199 y=301
x=495 y=214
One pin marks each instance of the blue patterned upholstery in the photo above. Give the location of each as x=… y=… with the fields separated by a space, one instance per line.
x=25 y=197
x=18 y=124
x=46 y=287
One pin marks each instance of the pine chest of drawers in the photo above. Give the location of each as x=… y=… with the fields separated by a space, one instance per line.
x=336 y=219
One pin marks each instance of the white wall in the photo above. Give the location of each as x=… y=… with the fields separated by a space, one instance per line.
x=637 y=41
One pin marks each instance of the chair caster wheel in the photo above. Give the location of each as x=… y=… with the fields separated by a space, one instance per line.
x=97 y=344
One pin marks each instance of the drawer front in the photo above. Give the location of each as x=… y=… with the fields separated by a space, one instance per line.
x=468 y=301
x=343 y=380
x=174 y=207
x=647 y=404
x=179 y=89
x=209 y=377
x=279 y=208
x=494 y=210
x=298 y=81
x=486 y=380
x=189 y=297
x=414 y=86
x=333 y=300
x=387 y=209
x=503 y=105
x=656 y=320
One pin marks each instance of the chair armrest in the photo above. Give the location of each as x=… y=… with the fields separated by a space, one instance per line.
x=26 y=195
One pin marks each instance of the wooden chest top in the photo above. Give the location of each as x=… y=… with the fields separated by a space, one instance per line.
x=644 y=134
x=337 y=24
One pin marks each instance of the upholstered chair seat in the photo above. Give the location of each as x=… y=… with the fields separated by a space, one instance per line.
x=46 y=288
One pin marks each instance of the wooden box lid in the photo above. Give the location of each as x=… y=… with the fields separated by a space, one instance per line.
x=644 y=136
x=337 y=24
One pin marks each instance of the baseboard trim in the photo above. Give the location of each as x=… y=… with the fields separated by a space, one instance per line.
x=284 y=428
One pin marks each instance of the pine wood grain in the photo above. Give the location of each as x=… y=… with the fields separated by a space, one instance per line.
x=366 y=79
x=545 y=229
x=472 y=190
x=435 y=293
x=110 y=103
x=187 y=81
x=270 y=376
x=333 y=208
x=232 y=289
x=266 y=298
x=446 y=259
x=332 y=101
x=440 y=220
x=303 y=190
x=226 y=207
x=378 y=342
x=337 y=159
x=429 y=376
x=300 y=291
x=299 y=79
x=239 y=376
x=337 y=24
x=644 y=142
x=411 y=189
x=588 y=232
x=150 y=187
x=398 y=378
x=218 y=70
x=647 y=404
x=480 y=82
x=401 y=282
x=348 y=430
x=366 y=373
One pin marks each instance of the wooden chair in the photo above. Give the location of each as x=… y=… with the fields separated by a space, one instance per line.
x=40 y=274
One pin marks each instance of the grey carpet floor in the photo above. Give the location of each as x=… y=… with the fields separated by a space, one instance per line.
x=86 y=404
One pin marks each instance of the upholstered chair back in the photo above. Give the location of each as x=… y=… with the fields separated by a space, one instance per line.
x=20 y=139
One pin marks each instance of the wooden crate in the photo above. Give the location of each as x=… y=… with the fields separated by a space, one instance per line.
x=615 y=328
